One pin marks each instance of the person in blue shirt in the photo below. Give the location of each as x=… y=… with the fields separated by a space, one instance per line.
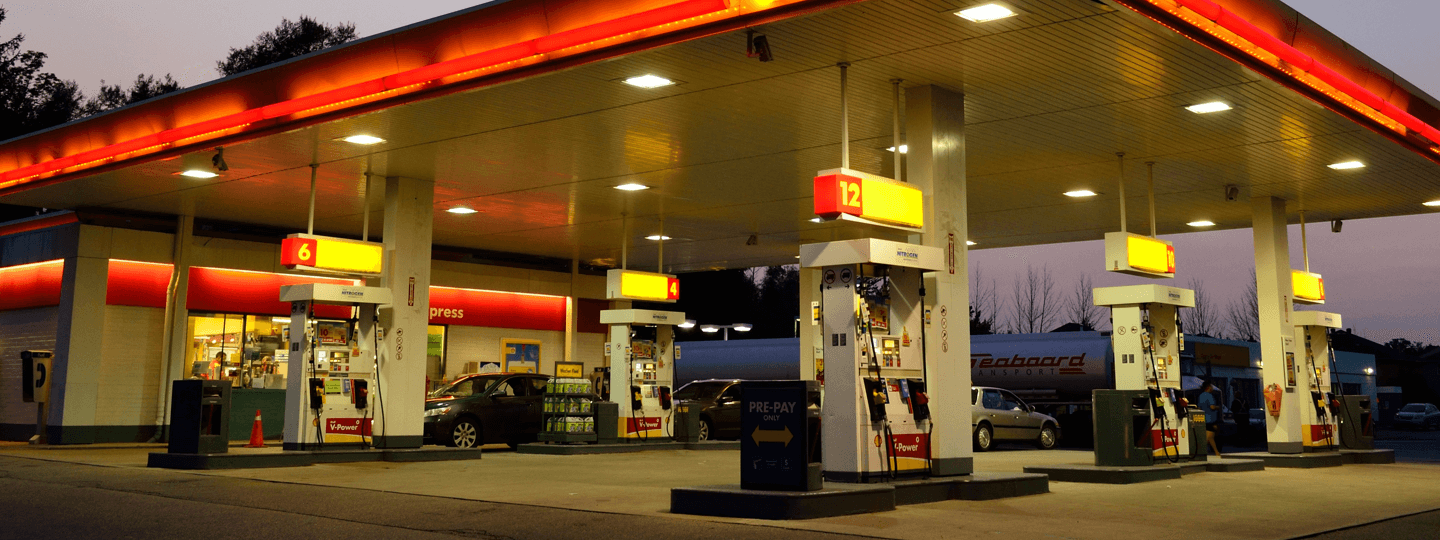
x=1211 y=407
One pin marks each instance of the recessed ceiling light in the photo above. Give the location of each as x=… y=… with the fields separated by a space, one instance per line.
x=1080 y=193
x=649 y=81
x=969 y=242
x=462 y=210
x=985 y=13
x=632 y=187
x=1205 y=108
x=1435 y=202
x=197 y=173
x=904 y=149
x=1201 y=223
x=817 y=220
x=1347 y=165
x=363 y=139
x=657 y=237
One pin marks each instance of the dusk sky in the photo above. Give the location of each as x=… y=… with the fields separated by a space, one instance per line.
x=1381 y=275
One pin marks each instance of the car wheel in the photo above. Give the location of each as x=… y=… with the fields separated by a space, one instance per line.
x=1047 y=438
x=465 y=434
x=984 y=438
x=704 y=431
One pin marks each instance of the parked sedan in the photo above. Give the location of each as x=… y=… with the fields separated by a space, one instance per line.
x=999 y=415
x=1418 y=415
x=483 y=409
x=719 y=404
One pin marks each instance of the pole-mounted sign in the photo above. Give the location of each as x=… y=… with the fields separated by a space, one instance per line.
x=331 y=255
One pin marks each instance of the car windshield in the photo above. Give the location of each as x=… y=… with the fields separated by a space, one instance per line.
x=700 y=390
x=465 y=387
x=1414 y=407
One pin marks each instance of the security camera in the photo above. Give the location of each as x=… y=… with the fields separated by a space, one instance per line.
x=219 y=159
x=753 y=240
x=757 y=47
x=1335 y=225
x=1232 y=193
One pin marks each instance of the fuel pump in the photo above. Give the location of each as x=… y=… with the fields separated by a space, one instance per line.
x=642 y=371
x=332 y=394
x=1319 y=422
x=1147 y=341
x=876 y=414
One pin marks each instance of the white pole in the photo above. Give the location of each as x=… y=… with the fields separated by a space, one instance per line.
x=314 y=168
x=895 y=138
x=1121 y=157
x=1151 y=166
x=1304 y=246
x=844 y=117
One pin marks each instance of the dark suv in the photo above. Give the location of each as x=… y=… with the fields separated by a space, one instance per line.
x=719 y=403
x=483 y=409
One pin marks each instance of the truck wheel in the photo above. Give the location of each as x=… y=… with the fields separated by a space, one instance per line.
x=984 y=438
x=1047 y=438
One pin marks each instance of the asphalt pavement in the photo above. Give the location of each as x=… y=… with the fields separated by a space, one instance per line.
x=46 y=499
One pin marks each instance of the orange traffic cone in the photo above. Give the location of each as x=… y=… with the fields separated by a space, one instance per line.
x=257 y=434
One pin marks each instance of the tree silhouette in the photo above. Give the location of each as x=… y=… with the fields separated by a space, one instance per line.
x=29 y=99
x=289 y=40
x=114 y=97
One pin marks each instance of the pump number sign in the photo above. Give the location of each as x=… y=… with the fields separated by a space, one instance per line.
x=331 y=255
x=1307 y=287
x=648 y=286
x=881 y=201
x=1139 y=255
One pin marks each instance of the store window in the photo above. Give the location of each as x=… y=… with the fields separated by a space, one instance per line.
x=249 y=350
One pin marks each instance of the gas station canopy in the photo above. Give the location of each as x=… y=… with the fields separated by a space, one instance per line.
x=521 y=112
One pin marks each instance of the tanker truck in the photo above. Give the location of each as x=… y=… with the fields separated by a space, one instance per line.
x=1054 y=371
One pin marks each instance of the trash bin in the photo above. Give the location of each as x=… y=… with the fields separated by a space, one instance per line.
x=687 y=422
x=607 y=422
x=200 y=417
x=1356 y=429
x=1199 y=448
x=1122 y=428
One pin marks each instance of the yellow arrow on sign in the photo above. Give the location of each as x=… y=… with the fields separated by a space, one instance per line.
x=772 y=435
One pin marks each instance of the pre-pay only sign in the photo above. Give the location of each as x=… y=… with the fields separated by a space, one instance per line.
x=773 y=435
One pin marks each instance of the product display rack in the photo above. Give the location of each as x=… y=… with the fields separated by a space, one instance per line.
x=569 y=412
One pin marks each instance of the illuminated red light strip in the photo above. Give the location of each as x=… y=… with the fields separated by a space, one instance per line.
x=1262 y=39
x=547 y=44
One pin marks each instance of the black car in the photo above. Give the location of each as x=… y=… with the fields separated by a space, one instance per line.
x=489 y=408
x=719 y=403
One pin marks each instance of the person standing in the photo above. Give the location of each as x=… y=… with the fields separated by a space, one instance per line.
x=1210 y=405
x=1241 y=411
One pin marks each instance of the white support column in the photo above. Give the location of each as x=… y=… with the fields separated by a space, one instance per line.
x=409 y=214
x=935 y=134
x=71 y=416
x=1277 y=342
x=810 y=331
x=177 y=321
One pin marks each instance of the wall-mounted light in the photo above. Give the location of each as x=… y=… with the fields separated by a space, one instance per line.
x=1369 y=371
